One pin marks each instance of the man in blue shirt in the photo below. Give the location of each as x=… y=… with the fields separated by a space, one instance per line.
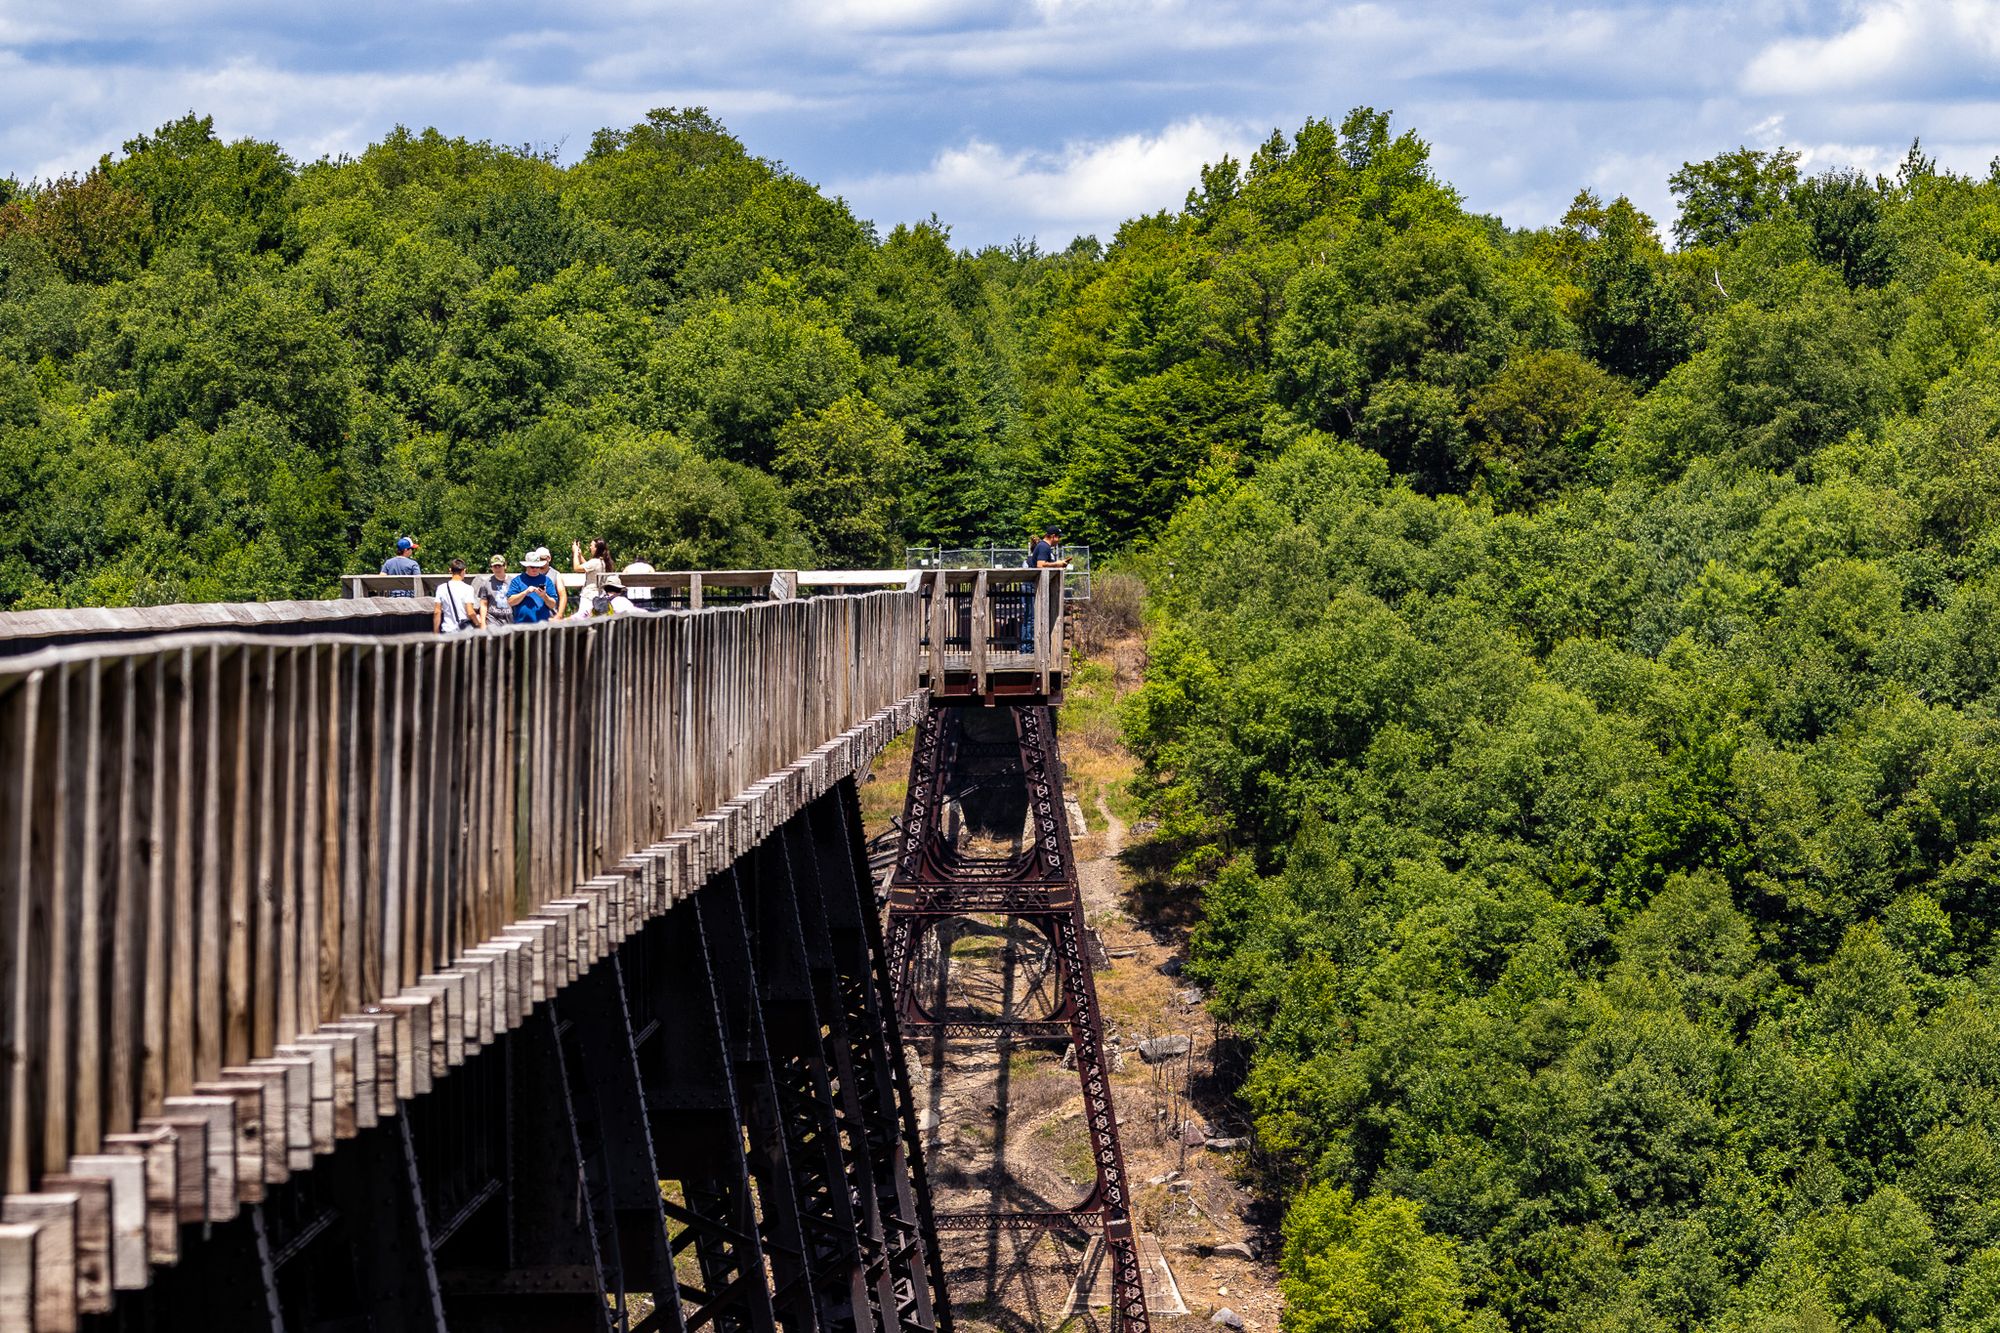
x=1045 y=554
x=403 y=563
x=532 y=593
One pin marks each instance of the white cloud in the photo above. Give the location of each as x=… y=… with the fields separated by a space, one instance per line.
x=887 y=15
x=1081 y=187
x=1893 y=44
x=1036 y=116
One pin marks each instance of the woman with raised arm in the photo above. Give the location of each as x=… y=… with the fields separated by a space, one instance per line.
x=592 y=568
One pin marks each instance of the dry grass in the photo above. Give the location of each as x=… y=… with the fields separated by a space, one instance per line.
x=885 y=784
x=1115 y=612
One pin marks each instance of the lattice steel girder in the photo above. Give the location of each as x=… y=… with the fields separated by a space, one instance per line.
x=697 y=1129
x=917 y=1262
x=807 y=1100
x=553 y=1272
x=1052 y=1220
x=852 y=1078
x=600 y=1056
x=726 y=940
x=932 y=880
x=980 y=898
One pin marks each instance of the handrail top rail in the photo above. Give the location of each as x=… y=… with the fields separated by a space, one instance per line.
x=66 y=654
x=734 y=578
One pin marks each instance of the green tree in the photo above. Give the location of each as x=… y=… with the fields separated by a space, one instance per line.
x=1368 y=1268
x=845 y=469
x=1722 y=197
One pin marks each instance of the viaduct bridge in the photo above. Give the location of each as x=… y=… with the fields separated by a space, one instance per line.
x=353 y=978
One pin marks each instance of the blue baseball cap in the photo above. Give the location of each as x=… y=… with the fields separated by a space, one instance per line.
x=405 y=544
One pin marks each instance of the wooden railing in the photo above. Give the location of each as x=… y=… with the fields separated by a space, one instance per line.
x=993 y=632
x=253 y=890
x=681 y=589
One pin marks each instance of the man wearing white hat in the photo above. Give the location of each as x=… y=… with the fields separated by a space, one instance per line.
x=534 y=594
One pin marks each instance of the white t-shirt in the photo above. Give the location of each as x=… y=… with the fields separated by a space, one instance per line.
x=456 y=597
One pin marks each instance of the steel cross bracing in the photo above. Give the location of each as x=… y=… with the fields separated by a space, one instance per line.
x=936 y=879
x=710 y=1129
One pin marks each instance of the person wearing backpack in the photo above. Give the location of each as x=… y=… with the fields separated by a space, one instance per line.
x=610 y=599
x=458 y=607
x=1045 y=554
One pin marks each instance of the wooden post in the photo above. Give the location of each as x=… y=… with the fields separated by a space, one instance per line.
x=938 y=600
x=1044 y=634
x=981 y=632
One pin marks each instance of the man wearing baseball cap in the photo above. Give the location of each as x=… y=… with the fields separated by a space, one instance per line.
x=1045 y=554
x=492 y=589
x=403 y=564
x=533 y=593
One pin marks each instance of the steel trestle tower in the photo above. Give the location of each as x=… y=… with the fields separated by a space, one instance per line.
x=961 y=749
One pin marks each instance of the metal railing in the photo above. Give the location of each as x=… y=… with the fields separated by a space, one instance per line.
x=1076 y=588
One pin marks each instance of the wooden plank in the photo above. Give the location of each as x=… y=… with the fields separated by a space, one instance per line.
x=124 y=1178
x=461 y=1006
x=366 y=1070
x=489 y=986
x=93 y=1238
x=940 y=602
x=981 y=631
x=191 y=1159
x=176 y=935
x=383 y=973
x=319 y=1060
x=250 y=1115
x=271 y=943
x=377 y=1030
x=539 y=936
x=19 y=718
x=413 y=1042
x=53 y=1215
x=297 y=1138
x=276 y=1114
x=447 y=1021
x=159 y=1150
x=510 y=961
x=375 y=685
x=343 y=1048
x=340 y=889
x=212 y=870
x=90 y=911
x=49 y=993
x=240 y=705
x=17 y=1276
x=315 y=857
x=128 y=856
x=1044 y=639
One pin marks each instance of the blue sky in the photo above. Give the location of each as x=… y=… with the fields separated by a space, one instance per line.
x=1043 y=118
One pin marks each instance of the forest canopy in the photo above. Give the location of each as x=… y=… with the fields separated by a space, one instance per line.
x=1571 y=692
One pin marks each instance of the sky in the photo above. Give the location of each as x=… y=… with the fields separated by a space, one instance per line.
x=1040 y=119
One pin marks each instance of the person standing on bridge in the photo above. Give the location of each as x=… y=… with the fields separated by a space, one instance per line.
x=532 y=593
x=458 y=607
x=610 y=599
x=492 y=590
x=592 y=569
x=1045 y=554
x=403 y=564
